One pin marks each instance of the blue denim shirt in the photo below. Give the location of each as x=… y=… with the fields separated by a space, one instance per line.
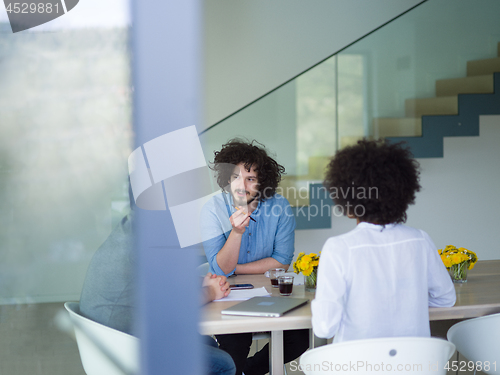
x=271 y=235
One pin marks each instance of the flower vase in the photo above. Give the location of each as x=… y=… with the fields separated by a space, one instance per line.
x=310 y=281
x=458 y=272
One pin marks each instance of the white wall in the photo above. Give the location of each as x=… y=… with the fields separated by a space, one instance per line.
x=459 y=201
x=254 y=46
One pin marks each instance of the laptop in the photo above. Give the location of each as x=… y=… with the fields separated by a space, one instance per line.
x=265 y=306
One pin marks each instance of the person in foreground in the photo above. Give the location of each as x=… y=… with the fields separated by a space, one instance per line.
x=248 y=229
x=219 y=362
x=379 y=279
x=108 y=292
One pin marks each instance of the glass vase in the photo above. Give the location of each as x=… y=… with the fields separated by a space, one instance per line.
x=310 y=281
x=458 y=272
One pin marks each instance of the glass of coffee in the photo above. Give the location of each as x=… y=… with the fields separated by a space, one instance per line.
x=286 y=285
x=273 y=274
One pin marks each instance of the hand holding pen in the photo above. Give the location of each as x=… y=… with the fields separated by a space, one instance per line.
x=242 y=211
x=240 y=220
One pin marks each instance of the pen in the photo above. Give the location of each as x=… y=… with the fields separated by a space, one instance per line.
x=239 y=209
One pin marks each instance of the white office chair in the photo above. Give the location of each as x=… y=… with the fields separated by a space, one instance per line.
x=203 y=269
x=103 y=350
x=479 y=341
x=395 y=355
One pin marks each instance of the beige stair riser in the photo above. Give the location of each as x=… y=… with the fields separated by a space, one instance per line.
x=397 y=127
x=294 y=191
x=468 y=85
x=349 y=141
x=446 y=105
x=481 y=67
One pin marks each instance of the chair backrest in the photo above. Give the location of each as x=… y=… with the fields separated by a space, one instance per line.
x=478 y=340
x=103 y=350
x=395 y=355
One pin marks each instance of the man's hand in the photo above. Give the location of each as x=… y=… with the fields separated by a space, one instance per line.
x=227 y=257
x=216 y=287
x=240 y=221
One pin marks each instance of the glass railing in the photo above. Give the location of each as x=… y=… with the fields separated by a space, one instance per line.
x=367 y=90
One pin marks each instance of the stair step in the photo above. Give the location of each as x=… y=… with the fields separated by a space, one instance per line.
x=397 y=127
x=444 y=105
x=481 y=67
x=317 y=166
x=294 y=190
x=349 y=140
x=468 y=85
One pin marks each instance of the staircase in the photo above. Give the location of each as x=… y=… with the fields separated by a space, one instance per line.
x=454 y=111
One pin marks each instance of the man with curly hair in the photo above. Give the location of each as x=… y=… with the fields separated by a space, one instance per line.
x=248 y=228
x=379 y=279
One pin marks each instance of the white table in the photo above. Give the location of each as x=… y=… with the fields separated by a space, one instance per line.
x=479 y=296
x=213 y=322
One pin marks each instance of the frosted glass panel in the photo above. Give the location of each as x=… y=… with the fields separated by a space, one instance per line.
x=65 y=135
x=352 y=122
x=316 y=115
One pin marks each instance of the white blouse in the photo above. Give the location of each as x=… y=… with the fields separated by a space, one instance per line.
x=379 y=282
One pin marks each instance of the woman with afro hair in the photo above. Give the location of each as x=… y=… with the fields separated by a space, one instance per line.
x=379 y=279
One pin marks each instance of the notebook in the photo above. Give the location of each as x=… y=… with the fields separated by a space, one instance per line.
x=265 y=306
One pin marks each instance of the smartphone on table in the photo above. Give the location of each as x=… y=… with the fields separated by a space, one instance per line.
x=240 y=286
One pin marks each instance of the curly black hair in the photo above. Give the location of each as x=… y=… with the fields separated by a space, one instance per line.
x=252 y=153
x=373 y=181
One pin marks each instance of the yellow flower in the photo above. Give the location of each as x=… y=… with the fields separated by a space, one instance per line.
x=306 y=263
x=452 y=255
x=459 y=258
x=308 y=271
x=447 y=261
